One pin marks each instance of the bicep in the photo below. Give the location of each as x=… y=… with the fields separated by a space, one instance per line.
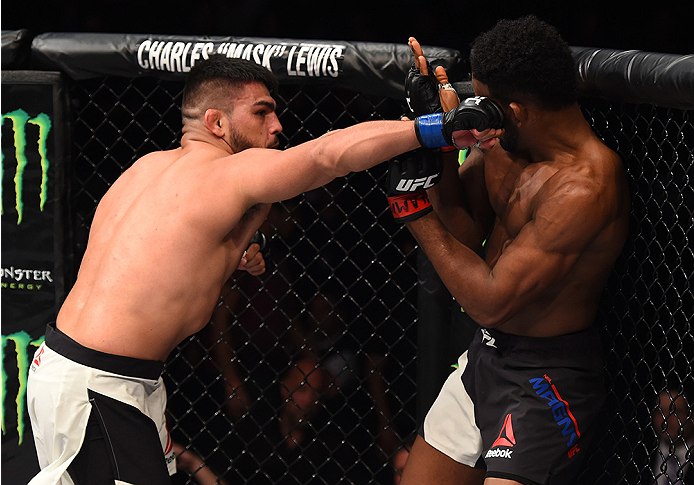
x=548 y=246
x=267 y=176
x=527 y=269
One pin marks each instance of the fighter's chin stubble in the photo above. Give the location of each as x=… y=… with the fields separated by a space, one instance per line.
x=238 y=142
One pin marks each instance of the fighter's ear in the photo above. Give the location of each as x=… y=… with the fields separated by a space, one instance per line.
x=519 y=113
x=214 y=120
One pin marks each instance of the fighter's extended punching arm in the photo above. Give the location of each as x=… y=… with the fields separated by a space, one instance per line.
x=266 y=176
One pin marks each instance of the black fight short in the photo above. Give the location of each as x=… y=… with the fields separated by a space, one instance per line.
x=524 y=408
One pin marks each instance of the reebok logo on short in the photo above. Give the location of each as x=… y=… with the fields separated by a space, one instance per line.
x=37 y=359
x=499 y=454
x=506 y=438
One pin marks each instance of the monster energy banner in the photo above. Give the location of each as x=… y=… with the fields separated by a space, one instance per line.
x=32 y=265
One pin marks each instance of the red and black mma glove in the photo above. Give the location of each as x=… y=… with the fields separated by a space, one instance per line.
x=479 y=113
x=409 y=175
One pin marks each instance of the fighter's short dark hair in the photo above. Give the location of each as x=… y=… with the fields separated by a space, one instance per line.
x=525 y=59
x=221 y=72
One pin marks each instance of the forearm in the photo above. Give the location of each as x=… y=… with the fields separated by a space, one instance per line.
x=281 y=175
x=465 y=274
x=364 y=145
x=205 y=476
x=449 y=200
x=192 y=464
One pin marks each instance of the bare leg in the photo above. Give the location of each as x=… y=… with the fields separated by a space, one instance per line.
x=428 y=466
x=500 y=481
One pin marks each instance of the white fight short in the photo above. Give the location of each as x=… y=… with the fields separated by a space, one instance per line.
x=450 y=426
x=68 y=383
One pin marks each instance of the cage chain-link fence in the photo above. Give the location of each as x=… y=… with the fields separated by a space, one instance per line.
x=307 y=373
x=647 y=309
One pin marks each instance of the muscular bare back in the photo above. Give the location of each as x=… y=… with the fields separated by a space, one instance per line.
x=153 y=270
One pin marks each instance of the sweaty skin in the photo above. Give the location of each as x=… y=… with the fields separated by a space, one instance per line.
x=170 y=231
x=553 y=209
x=554 y=213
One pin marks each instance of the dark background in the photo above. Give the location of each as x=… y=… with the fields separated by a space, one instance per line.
x=662 y=26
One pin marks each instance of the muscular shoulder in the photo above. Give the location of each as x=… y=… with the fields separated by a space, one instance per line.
x=594 y=172
x=588 y=196
x=502 y=176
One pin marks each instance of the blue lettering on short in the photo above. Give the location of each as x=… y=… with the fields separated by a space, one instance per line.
x=557 y=406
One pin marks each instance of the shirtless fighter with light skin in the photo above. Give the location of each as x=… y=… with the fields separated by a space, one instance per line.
x=165 y=238
x=552 y=202
x=218 y=186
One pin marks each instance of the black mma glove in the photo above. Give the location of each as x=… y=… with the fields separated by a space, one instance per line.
x=422 y=92
x=261 y=240
x=409 y=175
x=480 y=113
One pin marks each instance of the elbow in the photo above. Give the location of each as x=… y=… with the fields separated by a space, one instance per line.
x=490 y=312
x=500 y=301
x=328 y=158
x=488 y=319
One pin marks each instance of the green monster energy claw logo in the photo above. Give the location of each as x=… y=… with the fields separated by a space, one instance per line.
x=19 y=119
x=22 y=341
